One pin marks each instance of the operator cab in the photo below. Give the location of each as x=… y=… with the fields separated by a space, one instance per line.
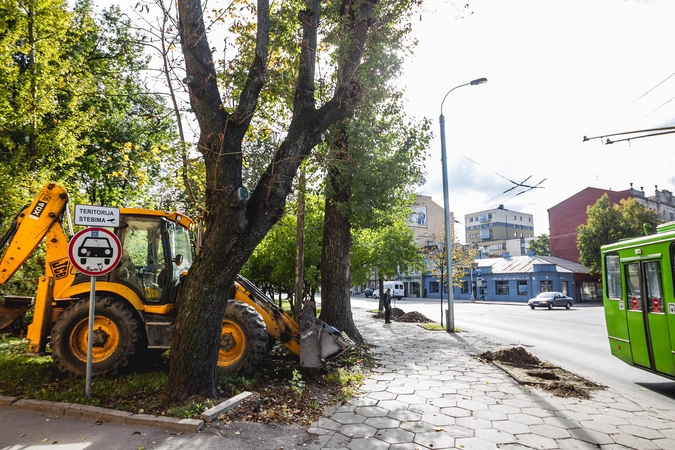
x=155 y=253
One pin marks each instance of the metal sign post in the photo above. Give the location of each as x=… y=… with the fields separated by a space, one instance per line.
x=93 y=252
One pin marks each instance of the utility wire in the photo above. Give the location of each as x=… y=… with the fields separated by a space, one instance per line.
x=516 y=185
x=652 y=112
x=634 y=101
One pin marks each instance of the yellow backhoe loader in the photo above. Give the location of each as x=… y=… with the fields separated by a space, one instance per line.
x=135 y=302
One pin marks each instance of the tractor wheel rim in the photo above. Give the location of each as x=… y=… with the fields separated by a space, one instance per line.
x=232 y=343
x=106 y=339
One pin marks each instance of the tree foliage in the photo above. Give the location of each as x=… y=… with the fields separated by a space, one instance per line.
x=436 y=264
x=436 y=261
x=73 y=108
x=609 y=223
x=541 y=246
x=272 y=263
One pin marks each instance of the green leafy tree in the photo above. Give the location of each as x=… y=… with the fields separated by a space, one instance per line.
x=638 y=220
x=386 y=250
x=436 y=261
x=272 y=263
x=609 y=223
x=236 y=222
x=541 y=245
x=73 y=107
x=374 y=158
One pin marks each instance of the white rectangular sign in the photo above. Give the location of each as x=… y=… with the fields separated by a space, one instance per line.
x=97 y=216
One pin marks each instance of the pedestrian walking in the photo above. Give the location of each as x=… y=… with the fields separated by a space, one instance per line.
x=386 y=301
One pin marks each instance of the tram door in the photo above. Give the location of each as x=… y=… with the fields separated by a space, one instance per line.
x=646 y=318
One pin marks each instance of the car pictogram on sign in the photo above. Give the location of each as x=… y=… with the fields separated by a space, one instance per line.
x=94 y=251
x=95 y=247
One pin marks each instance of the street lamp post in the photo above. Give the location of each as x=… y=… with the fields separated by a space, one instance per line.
x=446 y=205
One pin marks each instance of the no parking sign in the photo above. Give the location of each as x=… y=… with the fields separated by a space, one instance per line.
x=94 y=251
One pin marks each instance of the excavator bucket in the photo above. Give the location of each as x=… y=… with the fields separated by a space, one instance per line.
x=13 y=308
x=319 y=341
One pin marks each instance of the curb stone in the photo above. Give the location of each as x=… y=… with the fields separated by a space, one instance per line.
x=103 y=414
x=210 y=414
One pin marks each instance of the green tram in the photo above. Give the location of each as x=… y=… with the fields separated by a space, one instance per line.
x=639 y=300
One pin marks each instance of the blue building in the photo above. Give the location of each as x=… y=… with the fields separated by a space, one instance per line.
x=519 y=278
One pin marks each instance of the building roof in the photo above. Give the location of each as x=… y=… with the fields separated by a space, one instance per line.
x=525 y=264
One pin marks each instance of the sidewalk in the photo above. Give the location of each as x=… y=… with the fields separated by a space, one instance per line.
x=431 y=393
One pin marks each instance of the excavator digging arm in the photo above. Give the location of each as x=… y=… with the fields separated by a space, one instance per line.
x=27 y=230
x=312 y=339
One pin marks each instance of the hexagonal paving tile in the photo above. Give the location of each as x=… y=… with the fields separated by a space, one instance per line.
x=435 y=440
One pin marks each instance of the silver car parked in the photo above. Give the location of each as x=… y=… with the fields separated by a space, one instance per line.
x=551 y=299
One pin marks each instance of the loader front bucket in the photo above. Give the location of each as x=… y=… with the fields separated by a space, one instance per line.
x=12 y=308
x=320 y=341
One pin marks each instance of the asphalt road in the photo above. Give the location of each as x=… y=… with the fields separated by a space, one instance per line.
x=574 y=339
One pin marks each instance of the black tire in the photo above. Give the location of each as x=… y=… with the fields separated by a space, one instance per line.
x=550 y=306
x=244 y=341
x=531 y=306
x=117 y=332
x=568 y=305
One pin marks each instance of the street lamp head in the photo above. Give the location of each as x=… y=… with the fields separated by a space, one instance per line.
x=478 y=81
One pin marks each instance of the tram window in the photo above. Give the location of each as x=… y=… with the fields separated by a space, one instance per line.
x=633 y=287
x=613 y=276
x=654 y=295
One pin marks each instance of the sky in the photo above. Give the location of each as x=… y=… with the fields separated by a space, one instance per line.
x=557 y=71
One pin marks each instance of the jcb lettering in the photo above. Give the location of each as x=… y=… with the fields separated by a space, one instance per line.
x=60 y=268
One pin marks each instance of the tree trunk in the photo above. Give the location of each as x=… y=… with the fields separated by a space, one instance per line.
x=336 y=307
x=235 y=222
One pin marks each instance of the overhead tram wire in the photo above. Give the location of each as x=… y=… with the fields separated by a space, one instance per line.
x=516 y=185
x=653 y=110
x=661 y=131
x=634 y=101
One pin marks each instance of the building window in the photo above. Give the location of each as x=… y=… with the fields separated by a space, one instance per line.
x=521 y=218
x=546 y=286
x=522 y=287
x=433 y=287
x=465 y=287
x=565 y=288
x=502 y=287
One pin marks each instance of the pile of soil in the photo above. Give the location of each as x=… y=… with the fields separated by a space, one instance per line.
x=513 y=355
x=414 y=317
x=395 y=314
x=529 y=370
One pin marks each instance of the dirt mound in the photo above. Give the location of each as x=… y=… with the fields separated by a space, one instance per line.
x=395 y=314
x=527 y=369
x=513 y=355
x=414 y=317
